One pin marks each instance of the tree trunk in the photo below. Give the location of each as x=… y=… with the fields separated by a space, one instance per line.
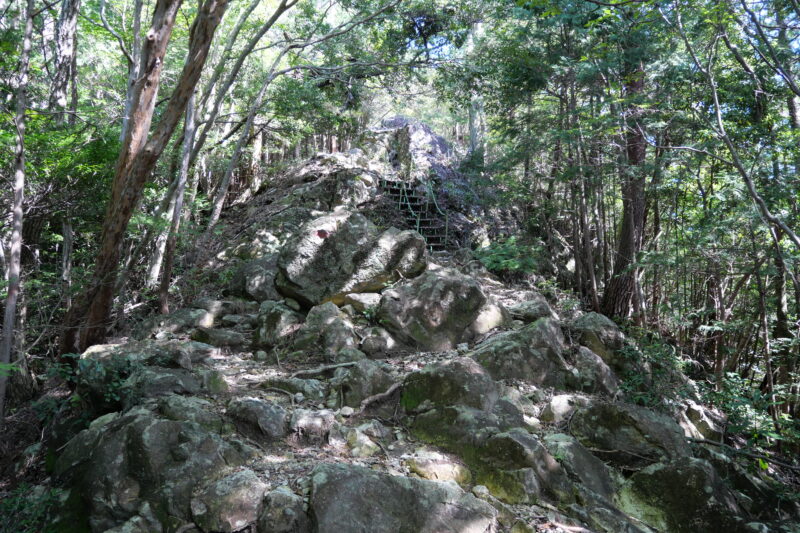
x=169 y=255
x=66 y=40
x=134 y=63
x=14 y=256
x=86 y=325
x=621 y=291
x=66 y=263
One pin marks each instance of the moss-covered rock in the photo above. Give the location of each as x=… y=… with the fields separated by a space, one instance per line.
x=262 y=420
x=601 y=335
x=628 y=436
x=142 y=458
x=682 y=496
x=230 y=503
x=460 y=381
x=276 y=323
x=435 y=311
x=326 y=331
x=352 y=385
x=352 y=498
x=533 y=353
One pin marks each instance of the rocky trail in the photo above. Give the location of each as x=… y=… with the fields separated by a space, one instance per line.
x=330 y=373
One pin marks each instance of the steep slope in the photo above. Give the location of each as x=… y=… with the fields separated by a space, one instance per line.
x=332 y=373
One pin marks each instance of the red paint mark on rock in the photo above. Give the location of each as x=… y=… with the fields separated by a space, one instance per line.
x=322 y=234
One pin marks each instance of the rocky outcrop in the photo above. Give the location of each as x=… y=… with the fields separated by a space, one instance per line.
x=260 y=419
x=683 y=496
x=352 y=498
x=533 y=309
x=230 y=503
x=438 y=310
x=344 y=253
x=276 y=324
x=533 y=353
x=628 y=436
x=327 y=331
x=141 y=458
x=602 y=336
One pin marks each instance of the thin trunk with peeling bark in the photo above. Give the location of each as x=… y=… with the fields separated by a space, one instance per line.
x=87 y=324
x=169 y=256
x=15 y=248
x=66 y=41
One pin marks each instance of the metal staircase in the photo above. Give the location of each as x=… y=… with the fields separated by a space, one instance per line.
x=420 y=211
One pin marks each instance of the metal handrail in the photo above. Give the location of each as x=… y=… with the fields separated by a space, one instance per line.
x=429 y=190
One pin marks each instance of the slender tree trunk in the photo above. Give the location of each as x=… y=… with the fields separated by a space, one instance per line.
x=66 y=262
x=87 y=324
x=134 y=65
x=169 y=256
x=66 y=39
x=14 y=256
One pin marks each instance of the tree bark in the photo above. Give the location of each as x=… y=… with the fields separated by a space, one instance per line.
x=87 y=324
x=14 y=256
x=66 y=41
x=169 y=255
x=621 y=291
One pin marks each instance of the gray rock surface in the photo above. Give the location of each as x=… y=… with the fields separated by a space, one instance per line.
x=343 y=253
x=533 y=353
x=141 y=458
x=436 y=311
x=626 y=435
x=326 y=331
x=230 y=503
x=683 y=496
x=261 y=419
x=283 y=512
x=276 y=324
x=351 y=498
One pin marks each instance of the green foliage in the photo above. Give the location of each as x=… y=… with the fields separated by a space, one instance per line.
x=655 y=371
x=747 y=409
x=29 y=509
x=6 y=369
x=102 y=381
x=510 y=257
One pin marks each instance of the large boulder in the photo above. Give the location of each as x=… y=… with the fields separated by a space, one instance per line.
x=593 y=374
x=532 y=309
x=580 y=464
x=343 y=253
x=533 y=353
x=460 y=381
x=517 y=468
x=154 y=382
x=230 y=503
x=258 y=418
x=283 y=512
x=192 y=409
x=438 y=310
x=601 y=335
x=255 y=279
x=141 y=458
x=178 y=321
x=628 y=436
x=276 y=324
x=326 y=331
x=354 y=384
x=168 y=353
x=352 y=498
x=682 y=496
